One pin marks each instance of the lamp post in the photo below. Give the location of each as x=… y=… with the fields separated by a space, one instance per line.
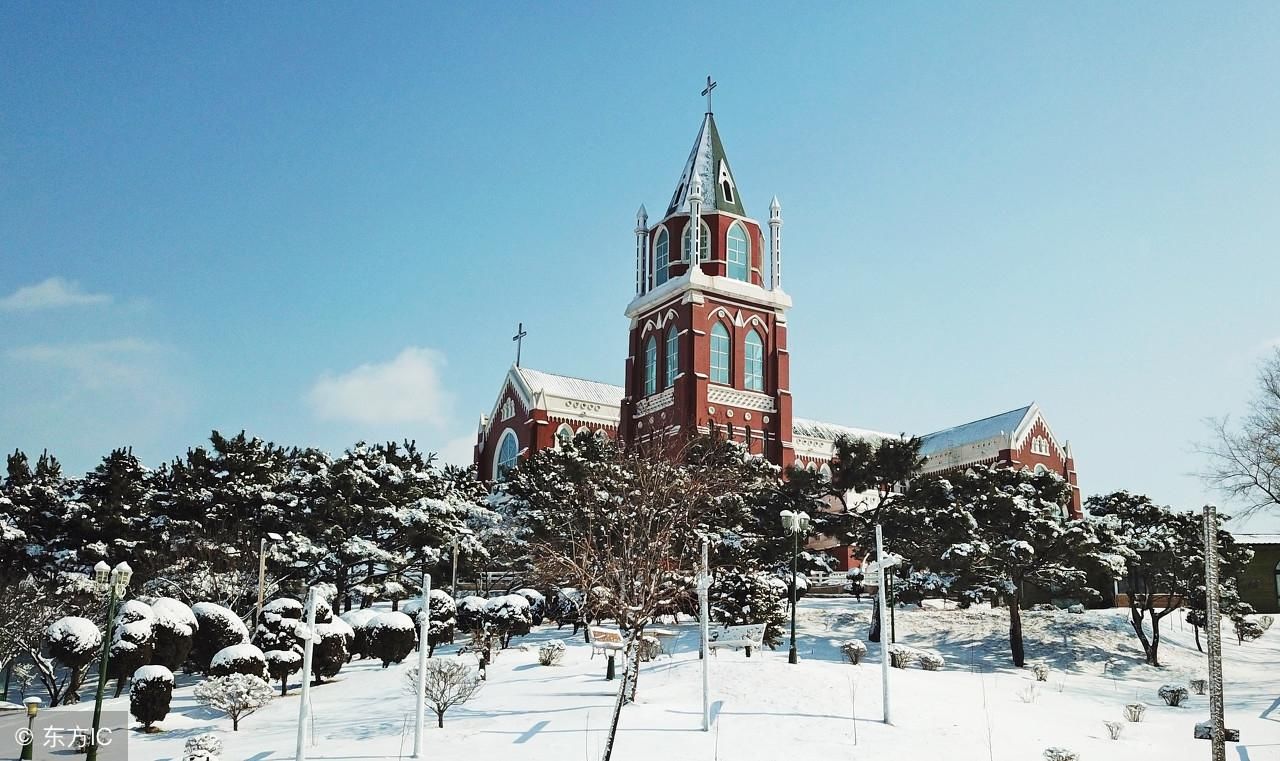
x=796 y=523
x=262 y=573
x=420 y=689
x=28 y=747
x=113 y=582
x=704 y=587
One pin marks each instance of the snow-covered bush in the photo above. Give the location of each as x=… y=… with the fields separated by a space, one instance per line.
x=509 y=616
x=1041 y=670
x=1060 y=754
x=149 y=695
x=1029 y=693
x=1133 y=712
x=132 y=646
x=133 y=610
x=1076 y=608
x=447 y=682
x=73 y=642
x=219 y=628
x=1199 y=686
x=1043 y=607
x=1172 y=694
x=854 y=651
x=551 y=652
x=1114 y=729
x=236 y=695
x=329 y=651
x=471 y=613
x=901 y=656
x=174 y=627
x=391 y=637
x=931 y=660
x=537 y=604
x=281 y=664
x=1247 y=630
x=738 y=598
x=565 y=607
x=444 y=618
x=276 y=628
x=1265 y=622
x=205 y=747
x=239 y=659
x=358 y=620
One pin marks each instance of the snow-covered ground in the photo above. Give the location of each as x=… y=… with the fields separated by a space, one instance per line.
x=977 y=707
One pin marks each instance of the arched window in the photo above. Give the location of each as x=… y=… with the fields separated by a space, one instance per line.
x=508 y=453
x=564 y=435
x=721 y=354
x=661 y=257
x=601 y=435
x=753 y=362
x=650 y=366
x=739 y=253
x=704 y=242
x=825 y=471
x=1040 y=469
x=673 y=356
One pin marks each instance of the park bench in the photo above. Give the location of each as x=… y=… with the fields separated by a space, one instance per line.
x=745 y=636
x=605 y=640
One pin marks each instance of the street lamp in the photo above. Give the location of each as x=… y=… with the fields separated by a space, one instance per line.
x=113 y=582
x=262 y=572
x=796 y=524
x=28 y=747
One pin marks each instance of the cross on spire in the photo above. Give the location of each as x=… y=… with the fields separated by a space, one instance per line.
x=711 y=85
x=519 y=339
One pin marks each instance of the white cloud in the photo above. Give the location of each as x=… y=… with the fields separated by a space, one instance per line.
x=52 y=293
x=459 y=451
x=95 y=364
x=407 y=389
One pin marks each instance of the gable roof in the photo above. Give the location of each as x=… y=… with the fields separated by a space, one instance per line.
x=569 y=387
x=707 y=160
x=815 y=429
x=1001 y=426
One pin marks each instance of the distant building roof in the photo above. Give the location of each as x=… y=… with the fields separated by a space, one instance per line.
x=997 y=426
x=815 y=429
x=1257 y=538
x=571 y=388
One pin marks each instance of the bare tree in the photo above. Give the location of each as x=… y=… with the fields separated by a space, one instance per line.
x=448 y=683
x=1244 y=459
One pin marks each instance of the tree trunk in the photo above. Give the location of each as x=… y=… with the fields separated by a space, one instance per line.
x=1153 y=657
x=440 y=719
x=874 y=634
x=617 y=715
x=1015 y=631
x=1197 y=631
x=1135 y=619
x=235 y=722
x=119 y=685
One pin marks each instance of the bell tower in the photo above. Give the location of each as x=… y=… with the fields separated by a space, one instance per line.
x=707 y=348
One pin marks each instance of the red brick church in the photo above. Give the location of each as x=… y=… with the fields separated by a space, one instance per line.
x=707 y=349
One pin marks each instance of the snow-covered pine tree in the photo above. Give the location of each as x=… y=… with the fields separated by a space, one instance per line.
x=74 y=642
x=150 y=694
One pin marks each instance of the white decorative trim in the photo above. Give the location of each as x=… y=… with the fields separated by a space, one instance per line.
x=748 y=400
x=654 y=402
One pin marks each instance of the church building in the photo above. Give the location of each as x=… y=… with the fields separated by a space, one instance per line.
x=707 y=350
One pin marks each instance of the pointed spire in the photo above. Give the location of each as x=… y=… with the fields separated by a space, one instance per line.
x=708 y=162
x=775 y=208
x=642 y=219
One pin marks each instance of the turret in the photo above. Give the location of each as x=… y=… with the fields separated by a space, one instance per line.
x=775 y=241
x=695 y=221
x=642 y=248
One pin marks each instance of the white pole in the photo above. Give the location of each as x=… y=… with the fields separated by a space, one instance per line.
x=884 y=646
x=304 y=699
x=1213 y=625
x=704 y=585
x=262 y=580
x=424 y=633
x=454 y=589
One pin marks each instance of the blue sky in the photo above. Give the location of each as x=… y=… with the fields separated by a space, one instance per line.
x=322 y=222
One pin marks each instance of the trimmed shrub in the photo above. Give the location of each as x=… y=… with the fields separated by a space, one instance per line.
x=1077 y=608
x=509 y=616
x=358 y=620
x=854 y=651
x=1041 y=671
x=537 y=604
x=277 y=627
x=565 y=607
x=471 y=613
x=902 y=656
x=1114 y=729
x=1172 y=694
x=931 y=660
x=281 y=664
x=1060 y=754
x=205 y=747
x=73 y=642
x=239 y=659
x=218 y=629
x=1199 y=686
x=551 y=652
x=329 y=651
x=173 y=628
x=150 y=694
x=132 y=647
x=391 y=637
x=1134 y=711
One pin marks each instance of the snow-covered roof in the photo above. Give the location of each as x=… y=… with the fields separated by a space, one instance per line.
x=571 y=388
x=707 y=160
x=814 y=429
x=1257 y=538
x=997 y=426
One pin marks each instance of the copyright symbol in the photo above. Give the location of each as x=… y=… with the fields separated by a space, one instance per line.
x=23 y=736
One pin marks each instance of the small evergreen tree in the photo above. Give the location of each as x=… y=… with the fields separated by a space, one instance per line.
x=281 y=664
x=329 y=651
x=73 y=642
x=173 y=630
x=391 y=637
x=218 y=628
x=239 y=659
x=149 y=695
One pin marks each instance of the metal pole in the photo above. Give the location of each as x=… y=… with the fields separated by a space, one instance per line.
x=304 y=699
x=92 y=752
x=454 y=590
x=884 y=646
x=424 y=634
x=1214 y=626
x=704 y=585
x=262 y=581
x=795 y=552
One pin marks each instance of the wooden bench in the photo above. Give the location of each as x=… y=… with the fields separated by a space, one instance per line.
x=745 y=636
x=605 y=640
